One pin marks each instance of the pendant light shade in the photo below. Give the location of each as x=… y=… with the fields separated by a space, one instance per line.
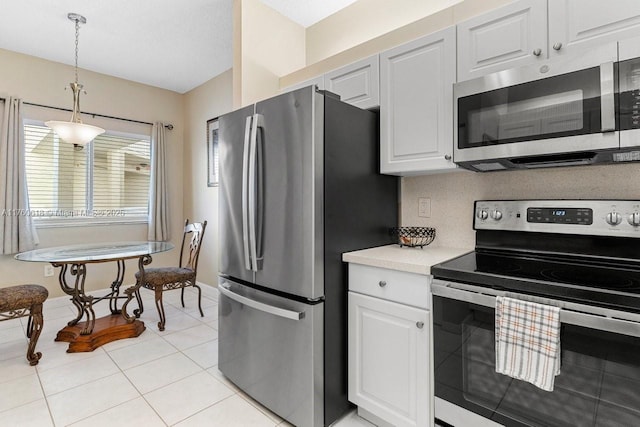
x=74 y=131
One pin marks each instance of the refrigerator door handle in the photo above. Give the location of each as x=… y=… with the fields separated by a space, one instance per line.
x=248 y=264
x=254 y=168
x=267 y=308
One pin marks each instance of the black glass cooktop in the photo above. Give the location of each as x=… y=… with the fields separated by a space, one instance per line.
x=594 y=281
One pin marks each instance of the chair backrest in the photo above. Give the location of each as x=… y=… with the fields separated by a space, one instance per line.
x=195 y=232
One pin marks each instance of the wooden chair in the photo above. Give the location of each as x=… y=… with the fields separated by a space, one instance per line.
x=167 y=278
x=25 y=300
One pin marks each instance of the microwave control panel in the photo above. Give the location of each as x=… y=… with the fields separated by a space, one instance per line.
x=629 y=87
x=588 y=217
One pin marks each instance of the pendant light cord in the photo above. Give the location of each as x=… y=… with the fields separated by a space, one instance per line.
x=77 y=36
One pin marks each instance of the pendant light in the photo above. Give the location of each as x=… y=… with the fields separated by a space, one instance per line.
x=74 y=131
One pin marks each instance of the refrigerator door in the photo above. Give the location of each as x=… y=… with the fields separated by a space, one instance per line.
x=234 y=139
x=289 y=193
x=271 y=347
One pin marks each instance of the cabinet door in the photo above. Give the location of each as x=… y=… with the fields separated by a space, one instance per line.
x=582 y=24
x=317 y=81
x=357 y=84
x=507 y=37
x=389 y=365
x=416 y=105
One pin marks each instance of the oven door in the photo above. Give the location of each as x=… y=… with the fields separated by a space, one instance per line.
x=599 y=376
x=553 y=108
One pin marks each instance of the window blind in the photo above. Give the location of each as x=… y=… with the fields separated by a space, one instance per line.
x=107 y=178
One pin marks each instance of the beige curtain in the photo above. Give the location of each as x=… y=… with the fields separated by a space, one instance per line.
x=16 y=225
x=158 y=186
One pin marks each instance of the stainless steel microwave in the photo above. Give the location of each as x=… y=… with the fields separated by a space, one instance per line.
x=582 y=110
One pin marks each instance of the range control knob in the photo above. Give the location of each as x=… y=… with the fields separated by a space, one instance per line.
x=482 y=214
x=614 y=218
x=496 y=215
x=634 y=219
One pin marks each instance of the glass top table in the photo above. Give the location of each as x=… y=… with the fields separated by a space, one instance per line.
x=72 y=261
x=94 y=252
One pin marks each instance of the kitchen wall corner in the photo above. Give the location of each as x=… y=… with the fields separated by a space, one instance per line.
x=207 y=101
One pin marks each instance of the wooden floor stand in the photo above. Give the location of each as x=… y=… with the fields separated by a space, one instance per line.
x=106 y=329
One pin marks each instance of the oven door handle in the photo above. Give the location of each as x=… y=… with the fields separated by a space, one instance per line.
x=594 y=317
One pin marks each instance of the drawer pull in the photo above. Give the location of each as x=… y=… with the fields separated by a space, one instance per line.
x=420 y=325
x=382 y=283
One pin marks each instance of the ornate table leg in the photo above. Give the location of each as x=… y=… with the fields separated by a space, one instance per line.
x=82 y=302
x=115 y=288
x=135 y=290
x=91 y=334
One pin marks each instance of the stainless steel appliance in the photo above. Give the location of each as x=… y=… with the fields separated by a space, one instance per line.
x=298 y=187
x=580 y=255
x=576 y=111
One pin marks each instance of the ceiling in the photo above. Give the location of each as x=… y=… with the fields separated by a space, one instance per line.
x=175 y=45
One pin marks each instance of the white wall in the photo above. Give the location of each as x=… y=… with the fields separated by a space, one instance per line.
x=39 y=81
x=212 y=99
x=365 y=20
x=368 y=27
x=267 y=45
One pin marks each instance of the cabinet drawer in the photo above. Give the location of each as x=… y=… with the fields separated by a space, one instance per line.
x=399 y=286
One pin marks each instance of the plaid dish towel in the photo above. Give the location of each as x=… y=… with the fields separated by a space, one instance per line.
x=528 y=341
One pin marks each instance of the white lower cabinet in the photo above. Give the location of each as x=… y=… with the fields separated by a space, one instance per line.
x=389 y=359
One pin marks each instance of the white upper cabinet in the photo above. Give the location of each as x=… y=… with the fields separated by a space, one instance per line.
x=583 y=24
x=416 y=105
x=527 y=31
x=357 y=84
x=511 y=36
x=317 y=81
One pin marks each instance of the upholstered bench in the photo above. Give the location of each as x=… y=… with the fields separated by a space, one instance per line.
x=21 y=301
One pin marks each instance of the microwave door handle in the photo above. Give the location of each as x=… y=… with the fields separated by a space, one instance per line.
x=248 y=264
x=607 y=97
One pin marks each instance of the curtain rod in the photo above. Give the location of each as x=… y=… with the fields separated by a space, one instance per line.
x=169 y=126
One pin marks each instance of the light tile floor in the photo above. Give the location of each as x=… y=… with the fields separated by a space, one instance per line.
x=167 y=378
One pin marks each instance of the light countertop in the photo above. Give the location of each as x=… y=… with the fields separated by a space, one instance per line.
x=412 y=260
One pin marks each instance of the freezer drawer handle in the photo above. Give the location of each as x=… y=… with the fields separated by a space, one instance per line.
x=277 y=311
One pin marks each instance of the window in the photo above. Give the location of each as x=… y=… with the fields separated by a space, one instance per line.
x=106 y=180
x=212 y=152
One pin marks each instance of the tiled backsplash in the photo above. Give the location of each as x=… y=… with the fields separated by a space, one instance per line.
x=452 y=194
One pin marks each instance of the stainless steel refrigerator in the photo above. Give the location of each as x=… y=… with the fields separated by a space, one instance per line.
x=299 y=185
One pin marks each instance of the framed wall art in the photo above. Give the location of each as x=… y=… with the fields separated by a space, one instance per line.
x=212 y=152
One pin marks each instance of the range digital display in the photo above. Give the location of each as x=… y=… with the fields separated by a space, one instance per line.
x=581 y=216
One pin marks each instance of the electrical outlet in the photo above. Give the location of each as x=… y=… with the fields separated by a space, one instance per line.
x=424 y=207
x=48 y=270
